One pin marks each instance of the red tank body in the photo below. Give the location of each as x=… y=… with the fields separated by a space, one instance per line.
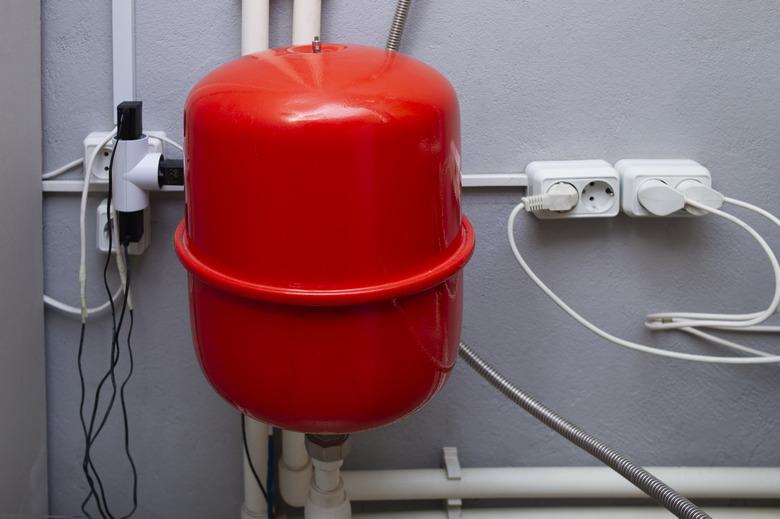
x=323 y=234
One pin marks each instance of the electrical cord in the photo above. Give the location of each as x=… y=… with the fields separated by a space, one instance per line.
x=83 y=219
x=63 y=169
x=676 y=320
x=612 y=338
x=249 y=459
x=754 y=208
x=122 y=398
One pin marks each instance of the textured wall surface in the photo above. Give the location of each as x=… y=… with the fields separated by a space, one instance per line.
x=537 y=80
x=23 y=455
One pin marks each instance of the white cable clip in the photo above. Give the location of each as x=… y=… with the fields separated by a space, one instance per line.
x=451 y=462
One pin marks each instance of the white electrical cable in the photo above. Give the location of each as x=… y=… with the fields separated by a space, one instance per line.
x=83 y=225
x=750 y=207
x=609 y=337
x=76 y=311
x=63 y=169
x=169 y=141
x=677 y=320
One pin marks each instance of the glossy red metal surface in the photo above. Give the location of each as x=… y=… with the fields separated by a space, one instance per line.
x=323 y=234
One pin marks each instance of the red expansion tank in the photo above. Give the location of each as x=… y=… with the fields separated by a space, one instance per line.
x=323 y=234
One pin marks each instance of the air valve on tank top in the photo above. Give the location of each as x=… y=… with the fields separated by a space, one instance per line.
x=137 y=169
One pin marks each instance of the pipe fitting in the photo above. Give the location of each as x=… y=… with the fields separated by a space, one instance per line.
x=327 y=447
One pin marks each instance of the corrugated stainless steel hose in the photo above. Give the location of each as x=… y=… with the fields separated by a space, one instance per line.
x=638 y=476
x=399 y=22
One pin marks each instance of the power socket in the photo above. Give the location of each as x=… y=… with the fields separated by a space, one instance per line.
x=100 y=166
x=634 y=173
x=596 y=181
x=104 y=227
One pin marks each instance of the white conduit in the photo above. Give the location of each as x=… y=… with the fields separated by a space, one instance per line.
x=579 y=513
x=557 y=483
x=255 y=25
x=295 y=469
x=255 y=506
x=307 y=16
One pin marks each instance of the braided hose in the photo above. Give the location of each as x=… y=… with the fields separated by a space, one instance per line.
x=638 y=476
x=399 y=22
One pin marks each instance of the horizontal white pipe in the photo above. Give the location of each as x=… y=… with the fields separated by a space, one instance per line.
x=255 y=25
x=95 y=186
x=307 y=17
x=494 y=180
x=557 y=483
x=580 y=513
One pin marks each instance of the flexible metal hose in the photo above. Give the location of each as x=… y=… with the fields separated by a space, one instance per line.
x=638 y=476
x=399 y=22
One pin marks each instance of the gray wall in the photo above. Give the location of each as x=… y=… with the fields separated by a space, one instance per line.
x=537 y=80
x=22 y=363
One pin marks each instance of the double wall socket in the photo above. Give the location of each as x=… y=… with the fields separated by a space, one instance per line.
x=104 y=227
x=100 y=166
x=596 y=181
x=634 y=173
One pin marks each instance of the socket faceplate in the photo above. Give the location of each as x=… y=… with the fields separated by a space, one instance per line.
x=596 y=180
x=635 y=172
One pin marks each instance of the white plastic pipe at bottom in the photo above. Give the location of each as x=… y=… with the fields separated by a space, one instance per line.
x=255 y=25
x=254 y=506
x=295 y=469
x=580 y=513
x=557 y=483
x=307 y=17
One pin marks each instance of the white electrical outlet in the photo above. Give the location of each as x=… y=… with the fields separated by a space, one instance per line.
x=634 y=173
x=596 y=181
x=100 y=166
x=103 y=228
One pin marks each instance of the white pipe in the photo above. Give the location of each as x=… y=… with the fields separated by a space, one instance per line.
x=295 y=469
x=307 y=17
x=557 y=483
x=257 y=442
x=582 y=512
x=123 y=51
x=255 y=25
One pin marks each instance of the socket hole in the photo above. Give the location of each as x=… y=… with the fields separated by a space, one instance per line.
x=598 y=196
x=105 y=168
x=105 y=154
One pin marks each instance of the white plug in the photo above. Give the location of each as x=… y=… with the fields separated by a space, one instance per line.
x=560 y=197
x=698 y=192
x=659 y=198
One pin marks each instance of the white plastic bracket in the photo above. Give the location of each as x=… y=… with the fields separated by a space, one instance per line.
x=451 y=463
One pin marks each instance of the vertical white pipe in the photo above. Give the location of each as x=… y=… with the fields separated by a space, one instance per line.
x=255 y=25
x=255 y=506
x=123 y=47
x=307 y=15
x=295 y=470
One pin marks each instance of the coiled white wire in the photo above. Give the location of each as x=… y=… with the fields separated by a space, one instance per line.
x=762 y=358
x=83 y=310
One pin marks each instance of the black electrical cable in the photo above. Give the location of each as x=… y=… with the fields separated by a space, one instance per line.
x=249 y=460
x=90 y=436
x=122 y=393
x=87 y=463
x=90 y=481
